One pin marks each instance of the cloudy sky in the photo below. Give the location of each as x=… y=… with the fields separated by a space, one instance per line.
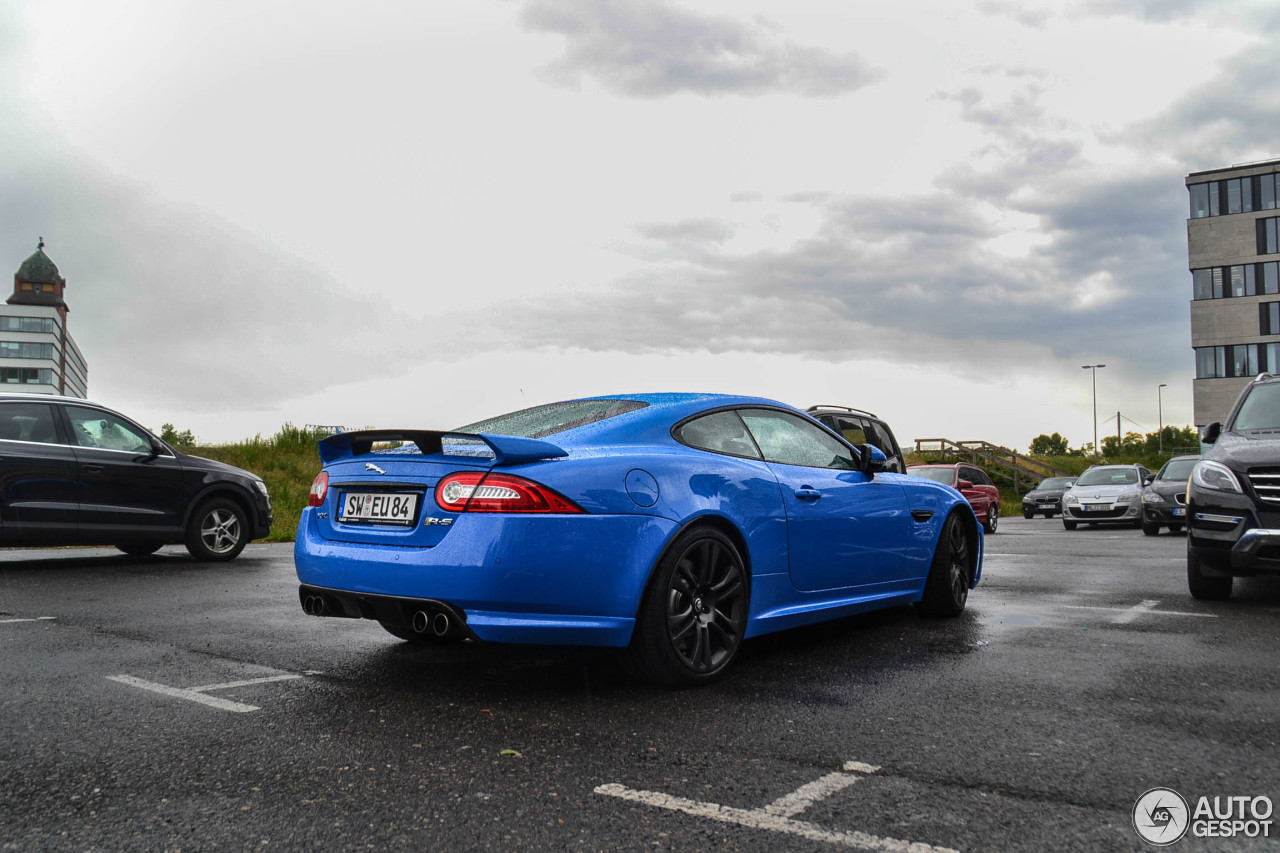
x=403 y=213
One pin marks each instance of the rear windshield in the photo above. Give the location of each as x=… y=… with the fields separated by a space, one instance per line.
x=541 y=421
x=940 y=475
x=1108 y=477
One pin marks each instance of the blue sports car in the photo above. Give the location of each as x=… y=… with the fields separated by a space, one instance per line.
x=673 y=526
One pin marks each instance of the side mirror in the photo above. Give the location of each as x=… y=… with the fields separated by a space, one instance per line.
x=1147 y=481
x=964 y=484
x=1209 y=434
x=872 y=459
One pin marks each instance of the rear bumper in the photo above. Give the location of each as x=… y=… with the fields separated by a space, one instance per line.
x=560 y=580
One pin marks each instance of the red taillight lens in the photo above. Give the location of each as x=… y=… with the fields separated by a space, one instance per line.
x=319 y=488
x=476 y=491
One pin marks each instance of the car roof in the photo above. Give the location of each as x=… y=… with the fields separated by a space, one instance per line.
x=824 y=408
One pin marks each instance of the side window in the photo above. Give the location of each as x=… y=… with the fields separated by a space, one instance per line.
x=981 y=478
x=853 y=430
x=94 y=428
x=28 y=422
x=721 y=432
x=966 y=473
x=791 y=440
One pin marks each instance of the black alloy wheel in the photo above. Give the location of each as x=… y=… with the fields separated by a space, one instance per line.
x=694 y=612
x=1206 y=587
x=947 y=588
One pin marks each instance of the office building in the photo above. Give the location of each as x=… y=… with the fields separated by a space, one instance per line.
x=37 y=353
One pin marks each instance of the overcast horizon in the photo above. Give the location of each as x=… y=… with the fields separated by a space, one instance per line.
x=413 y=214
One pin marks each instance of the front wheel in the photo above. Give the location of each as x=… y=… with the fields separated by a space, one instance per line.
x=693 y=615
x=1150 y=529
x=1026 y=514
x=947 y=588
x=1069 y=525
x=993 y=518
x=218 y=531
x=1203 y=586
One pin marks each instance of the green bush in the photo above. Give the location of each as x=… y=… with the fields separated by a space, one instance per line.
x=287 y=461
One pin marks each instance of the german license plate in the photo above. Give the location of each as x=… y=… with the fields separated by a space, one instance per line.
x=1179 y=512
x=1044 y=506
x=378 y=508
x=1093 y=507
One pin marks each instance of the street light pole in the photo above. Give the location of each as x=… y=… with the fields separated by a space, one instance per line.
x=1160 y=411
x=1094 y=368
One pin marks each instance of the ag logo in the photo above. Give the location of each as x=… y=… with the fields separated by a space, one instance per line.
x=1161 y=816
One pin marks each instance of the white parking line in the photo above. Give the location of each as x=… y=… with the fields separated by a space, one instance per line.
x=1126 y=615
x=777 y=816
x=197 y=694
x=29 y=619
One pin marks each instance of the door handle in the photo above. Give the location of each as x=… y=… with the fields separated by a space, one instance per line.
x=93 y=469
x=808 y=493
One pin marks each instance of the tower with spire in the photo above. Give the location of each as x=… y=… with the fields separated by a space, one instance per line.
x=36 y=351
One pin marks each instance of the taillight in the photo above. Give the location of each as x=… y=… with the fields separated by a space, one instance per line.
x=319 y=488
x=476 y=491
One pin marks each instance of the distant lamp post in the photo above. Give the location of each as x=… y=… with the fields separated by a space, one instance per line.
x=1160 y=411
x=1094 y=368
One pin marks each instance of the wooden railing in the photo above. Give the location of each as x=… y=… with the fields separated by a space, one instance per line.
x=1020 y=470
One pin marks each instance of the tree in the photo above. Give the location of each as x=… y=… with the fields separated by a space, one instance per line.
x=169 y=433
x=1049 y=445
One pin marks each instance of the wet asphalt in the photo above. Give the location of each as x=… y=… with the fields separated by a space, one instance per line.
x=161 y=704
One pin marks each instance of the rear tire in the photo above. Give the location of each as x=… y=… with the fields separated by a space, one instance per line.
x=1204 y=587
x=947 y=588
x=993 y=518
x=139 y=549
x=693 y=615
x=218 y=531
x=1175 y=528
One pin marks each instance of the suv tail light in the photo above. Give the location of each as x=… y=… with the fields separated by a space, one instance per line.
x=477 y=491
x=319 y=488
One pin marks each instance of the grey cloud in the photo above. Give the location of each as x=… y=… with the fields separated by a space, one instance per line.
x=1227 y=118
x=913 y=281
x=181 y=307
x=649 y=49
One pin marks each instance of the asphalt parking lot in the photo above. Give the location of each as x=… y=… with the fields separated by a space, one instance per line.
x=162 y=704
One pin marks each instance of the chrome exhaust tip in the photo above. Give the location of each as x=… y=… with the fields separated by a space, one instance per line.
x=440 y=624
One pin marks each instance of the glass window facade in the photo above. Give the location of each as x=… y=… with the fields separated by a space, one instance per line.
x=1235 y=281
x=29 y=324
x=24 y=349
x=1234 y=195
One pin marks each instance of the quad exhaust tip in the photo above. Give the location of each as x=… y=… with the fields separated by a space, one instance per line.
x=437 y=623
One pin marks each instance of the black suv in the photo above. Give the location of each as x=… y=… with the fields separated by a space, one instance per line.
x=1233 y=496
x=858 y=428
x=75 y=473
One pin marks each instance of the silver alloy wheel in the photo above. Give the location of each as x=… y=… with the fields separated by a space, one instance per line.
x=220 y=530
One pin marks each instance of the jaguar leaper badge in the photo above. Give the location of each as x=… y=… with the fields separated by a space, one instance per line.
x=369 y=466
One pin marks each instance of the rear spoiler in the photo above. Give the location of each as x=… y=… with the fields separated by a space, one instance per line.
x=507 y=449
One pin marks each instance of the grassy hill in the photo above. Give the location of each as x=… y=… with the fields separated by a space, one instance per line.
x=287 y=461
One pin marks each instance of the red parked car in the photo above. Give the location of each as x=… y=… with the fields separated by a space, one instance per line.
x=970 y=481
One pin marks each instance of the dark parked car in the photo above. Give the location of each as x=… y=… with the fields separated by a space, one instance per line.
x=1164 y=499
x=970 y=481
x=859 y=428
x=1233 y=498
x=1046 y=498
x=75 y=473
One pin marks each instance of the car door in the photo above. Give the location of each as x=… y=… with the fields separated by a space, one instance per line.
x=39 y=494
x=844 y=528
x=125 y=484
